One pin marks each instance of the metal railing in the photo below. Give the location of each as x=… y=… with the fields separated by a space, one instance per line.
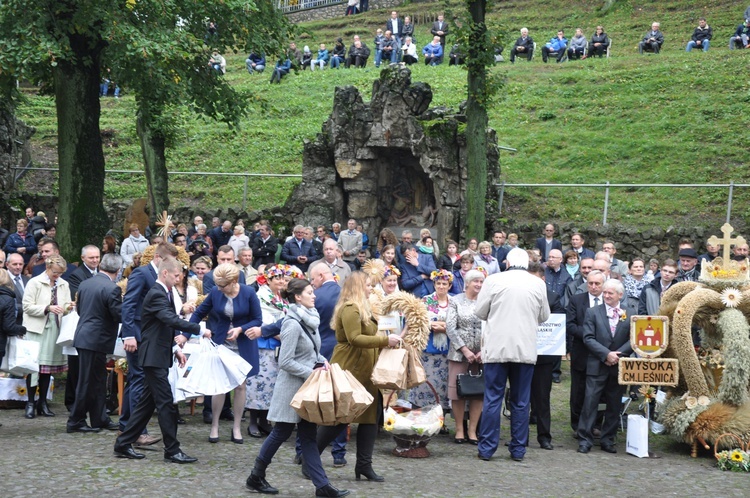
x=606 y=186
x=186 y=173
x=286 y=6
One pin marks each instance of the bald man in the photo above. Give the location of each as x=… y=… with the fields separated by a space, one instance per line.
x=331 y=260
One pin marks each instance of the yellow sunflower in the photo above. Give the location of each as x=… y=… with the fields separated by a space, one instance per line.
x=390 y=422
x=21 y=390
x=736 y=456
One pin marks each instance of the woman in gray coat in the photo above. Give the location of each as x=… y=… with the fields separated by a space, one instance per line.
x=298 y=358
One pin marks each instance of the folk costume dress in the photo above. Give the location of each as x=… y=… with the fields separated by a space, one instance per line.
x=434 y=358
x=260 y=387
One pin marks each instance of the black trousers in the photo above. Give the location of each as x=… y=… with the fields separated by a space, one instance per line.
x=528 y=53
x=157 y=395
x=597 y=386
x=541 y=387
x=577 y=395
x=71 y=384
x=91 y=390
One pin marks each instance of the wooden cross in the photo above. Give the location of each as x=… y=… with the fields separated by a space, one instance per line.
x=164 y=223
x=727 y=241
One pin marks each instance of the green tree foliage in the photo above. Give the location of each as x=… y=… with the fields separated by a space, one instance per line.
x=159 y=48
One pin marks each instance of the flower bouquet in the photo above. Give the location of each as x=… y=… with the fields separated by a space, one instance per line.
x=734 y=459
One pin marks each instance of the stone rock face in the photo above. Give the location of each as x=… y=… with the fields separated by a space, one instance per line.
x=393 y=162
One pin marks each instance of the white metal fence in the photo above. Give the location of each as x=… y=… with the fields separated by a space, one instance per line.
x=245 y=176
x=607 y=186
x=286 y=6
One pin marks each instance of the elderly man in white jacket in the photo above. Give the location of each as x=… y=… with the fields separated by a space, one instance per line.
x=513 y=303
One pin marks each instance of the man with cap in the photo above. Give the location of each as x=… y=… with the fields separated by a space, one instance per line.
x=513 y=303
x=689 y=270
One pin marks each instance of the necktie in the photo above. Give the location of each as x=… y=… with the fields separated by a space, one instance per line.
x=19 y=284
x=53 y=302
x=596 y=301
x=170 y=295
x=614 y=319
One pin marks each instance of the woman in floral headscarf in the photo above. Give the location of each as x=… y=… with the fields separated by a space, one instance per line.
x=274 y=308
x=434 y=356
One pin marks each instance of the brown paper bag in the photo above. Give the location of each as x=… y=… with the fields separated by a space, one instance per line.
x=326 y=399
x=361 y=400
x=415 y=373
x=390 y=369
x=305 y=400
x=342 y=390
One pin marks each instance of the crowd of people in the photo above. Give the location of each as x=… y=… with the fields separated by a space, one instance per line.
x=288 y=306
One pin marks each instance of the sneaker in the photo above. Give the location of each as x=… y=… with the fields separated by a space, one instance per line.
x=339 y=462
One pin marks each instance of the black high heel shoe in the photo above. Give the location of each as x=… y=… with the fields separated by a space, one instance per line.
x=235 y=440
x=368 y=473
x=30 y=406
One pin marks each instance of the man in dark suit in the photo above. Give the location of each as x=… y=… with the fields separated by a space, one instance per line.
x=579 y=353
x=606 y=334
x=299 y=251
x=15 y=265
x=89 y=264
x=220 y=235
x=99 y=306
x=548 y=242
x=541 y=382
x=395 y=25
x=159 y=323
x=141 y=280
x=265 y=246
x=48 y=247
x=440 y=28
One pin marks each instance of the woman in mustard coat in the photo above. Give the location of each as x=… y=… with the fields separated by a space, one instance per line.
x=357 y=349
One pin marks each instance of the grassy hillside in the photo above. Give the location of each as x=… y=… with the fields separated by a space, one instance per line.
x=671 y=118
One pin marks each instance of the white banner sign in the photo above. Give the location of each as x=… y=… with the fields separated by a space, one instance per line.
x=550 y=336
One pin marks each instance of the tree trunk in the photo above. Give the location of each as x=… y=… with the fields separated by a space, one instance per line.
x=81 y=215
x=476 y=124
x=155 y=163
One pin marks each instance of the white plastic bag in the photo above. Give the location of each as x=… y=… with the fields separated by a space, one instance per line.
x=21 y=357
x=68 y=325
x=637 y=440
x=236 y=367
x=205 y=374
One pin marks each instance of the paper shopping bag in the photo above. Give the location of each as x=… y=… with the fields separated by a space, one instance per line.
x=390 y=369
x=415 y=374
x=361 y=400
x=342 y=390
x=21 y=357
x=326 y=399
x=68 y=326
x=637 y=439
x=206 y=375
x=305 y=400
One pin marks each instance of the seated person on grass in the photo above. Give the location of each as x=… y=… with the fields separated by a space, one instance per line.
x=409 y=51
x=339 y=54
x=283 y=66
x=255 y=63
x=577 y=45
x=358 y=53
x=599 y=43
x=523 y=46
x=321 y=59
x=701 y=36
x=557 y=45
x=741 y=37
x=652 y=41
x=433 y=52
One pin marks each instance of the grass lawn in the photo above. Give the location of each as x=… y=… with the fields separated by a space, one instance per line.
x=669 y=118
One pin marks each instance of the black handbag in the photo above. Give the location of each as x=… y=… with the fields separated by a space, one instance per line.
x=470 y=385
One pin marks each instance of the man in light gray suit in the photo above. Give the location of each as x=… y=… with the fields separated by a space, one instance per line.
x=606 y=334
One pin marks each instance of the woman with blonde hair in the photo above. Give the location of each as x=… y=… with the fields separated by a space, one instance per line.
x=232 y=309
x=465 y=332
x=357 y=349
x=46 y=299
x=485 y=259
x=434 y=356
